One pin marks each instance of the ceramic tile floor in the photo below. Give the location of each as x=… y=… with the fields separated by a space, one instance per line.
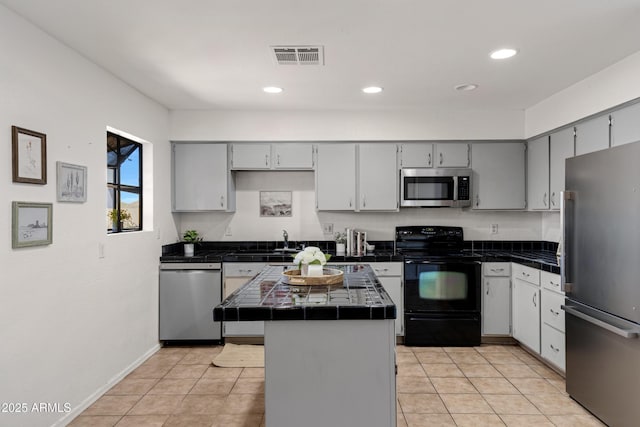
x=481 y=386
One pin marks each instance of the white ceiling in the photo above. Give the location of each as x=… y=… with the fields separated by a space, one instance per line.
x=214 y=54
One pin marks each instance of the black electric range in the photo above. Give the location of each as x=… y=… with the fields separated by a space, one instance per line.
x=441 y=287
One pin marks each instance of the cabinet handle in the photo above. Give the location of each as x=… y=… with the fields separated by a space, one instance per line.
x=477 y=200
x=535 y=304
x=555 y=285
x=350 y=202
x=441 y=158
x=266 y=160
x=364 y=201
x=495 y=270
x=429 y=159
x=553 y=348
x=544 y=200
x=487 y=288
x=222 y=201
x=555 y=313
x=553 y=195
x=525 y=274
x=278 y=159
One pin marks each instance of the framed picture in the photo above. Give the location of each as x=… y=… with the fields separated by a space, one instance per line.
x=31 y=224
x=275 y=203
x=71 y=182
x=29 y=156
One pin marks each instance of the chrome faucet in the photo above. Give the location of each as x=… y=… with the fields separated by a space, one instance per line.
x=285 y=235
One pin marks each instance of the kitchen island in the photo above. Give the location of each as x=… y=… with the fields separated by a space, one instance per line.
x=329 y=350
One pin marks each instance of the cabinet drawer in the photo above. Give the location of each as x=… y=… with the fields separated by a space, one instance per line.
x=496 y=268
x=553 y=347
x=248 y=269
x=550 y=281
x=387 y=268
x=528 y=274
x=552 y=314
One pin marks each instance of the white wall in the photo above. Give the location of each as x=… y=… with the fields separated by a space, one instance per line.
x=345 y=125
x=306 y=223
x=612 y=86
x=71 y=322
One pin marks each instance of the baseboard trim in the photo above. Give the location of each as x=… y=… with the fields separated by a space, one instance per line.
x=78 y=409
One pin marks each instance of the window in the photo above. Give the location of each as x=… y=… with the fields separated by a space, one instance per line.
x=124 y=184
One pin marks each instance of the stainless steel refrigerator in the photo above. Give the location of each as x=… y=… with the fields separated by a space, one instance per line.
x=601 y=278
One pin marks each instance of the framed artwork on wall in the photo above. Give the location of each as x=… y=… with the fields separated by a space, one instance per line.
x=29 y=156
x=71 y=182
x=275 y=203
x=31 y=224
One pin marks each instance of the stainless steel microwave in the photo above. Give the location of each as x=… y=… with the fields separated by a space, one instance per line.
x=435 y=187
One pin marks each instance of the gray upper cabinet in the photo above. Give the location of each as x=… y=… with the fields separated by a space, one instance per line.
x=416 y=155
x=538 y=173
x=377 y=177
x=625 y=126
x=592 y=135
x=498 y=175
x=201 y=179
x=452 y=155
x=250 y=156
x=336 y=177
x=292 y=156
x=561 y=147
x=261 y=156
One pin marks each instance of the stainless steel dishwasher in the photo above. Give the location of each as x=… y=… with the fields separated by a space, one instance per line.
x=188 y=293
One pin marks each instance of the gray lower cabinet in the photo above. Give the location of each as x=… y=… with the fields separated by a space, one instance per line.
x=236 y=275
x=391 y=277
x=496 y=298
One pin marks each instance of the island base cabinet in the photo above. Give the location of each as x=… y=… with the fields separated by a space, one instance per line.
x=322 y=373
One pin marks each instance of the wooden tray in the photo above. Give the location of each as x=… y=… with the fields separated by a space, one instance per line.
x=330 y=276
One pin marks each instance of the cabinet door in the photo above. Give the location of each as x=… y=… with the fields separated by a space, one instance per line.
x=538 y=173
x=625 y=126
x=452 y=155
x=251 y=156
x=236 y=275
x=293 y=156
x=498 y=175
x=393 y=286
x=526 y=314
x=592 y=135
x=496 y=306
x=378 y=177
x=336 y=177
x=200 y=177
x=417 y=155
x=561 y=147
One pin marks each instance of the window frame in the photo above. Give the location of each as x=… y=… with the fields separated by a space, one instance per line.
x=117 y=186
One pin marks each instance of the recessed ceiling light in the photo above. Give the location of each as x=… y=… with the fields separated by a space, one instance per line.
x=272 y=89
x=503 y=53
x=466 y=87
x=372 y=89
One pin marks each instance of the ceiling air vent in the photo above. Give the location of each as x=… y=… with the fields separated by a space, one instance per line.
x=299 y=55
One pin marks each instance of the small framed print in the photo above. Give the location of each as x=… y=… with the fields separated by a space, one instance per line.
x=71 y=182
x=275 y=203
x=29 y=156
x=31 y=224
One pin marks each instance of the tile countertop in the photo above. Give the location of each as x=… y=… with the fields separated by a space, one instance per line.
x=268 y=296
x=539 y=259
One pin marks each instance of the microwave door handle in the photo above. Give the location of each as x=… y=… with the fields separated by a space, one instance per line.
x=455 y=189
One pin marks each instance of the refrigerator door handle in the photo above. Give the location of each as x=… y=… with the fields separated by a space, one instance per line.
x=565 y=238
x=625 y=333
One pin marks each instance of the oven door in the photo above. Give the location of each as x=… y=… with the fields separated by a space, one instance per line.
x=447 y=285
